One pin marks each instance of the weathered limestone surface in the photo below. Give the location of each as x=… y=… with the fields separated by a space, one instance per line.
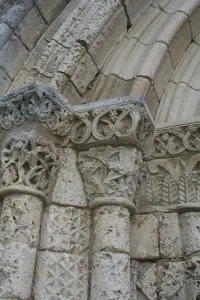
x=112 y=226
x=66 y=229
x=20 y=219
x=190 y=226
x=144 y=237
x=111 y=276
x=16 y=270
x=170 y=236
x=61 y=275
x=171 y=281
x=69 y=187
x=120 y=223
x=143 y=280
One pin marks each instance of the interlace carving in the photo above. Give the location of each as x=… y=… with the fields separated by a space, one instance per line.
x=115 y=121
x=173 y=181
x=30 y=160
x=175 y=140
x=110 y=172
x=29 y=106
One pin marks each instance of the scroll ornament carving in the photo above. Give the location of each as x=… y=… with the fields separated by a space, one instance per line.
x=173 y=181
x=29 y=159
x=175 y=140
x=112 y=121
x=110 y=172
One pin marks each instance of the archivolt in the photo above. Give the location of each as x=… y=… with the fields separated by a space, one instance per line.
x=97 y=49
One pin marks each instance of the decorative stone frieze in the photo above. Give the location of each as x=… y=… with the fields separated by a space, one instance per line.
x=116 y=121
x=175 y=140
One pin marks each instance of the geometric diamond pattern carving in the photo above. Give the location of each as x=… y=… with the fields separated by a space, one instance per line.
x=61 y=276
x=66 y=229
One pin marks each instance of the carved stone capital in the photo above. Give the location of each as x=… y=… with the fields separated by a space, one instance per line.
x=35 y=117
x=28 y=164
x=110 y=175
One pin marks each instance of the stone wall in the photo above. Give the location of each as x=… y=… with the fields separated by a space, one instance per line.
x=91 y=50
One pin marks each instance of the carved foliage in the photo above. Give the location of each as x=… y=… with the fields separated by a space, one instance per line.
x=30 y=106
x=177 y=139
x=114 y=122
x=173 y=181
x=111 y=121
x=110 y=171
x=29 y=160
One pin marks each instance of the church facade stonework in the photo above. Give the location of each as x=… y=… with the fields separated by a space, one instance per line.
x=97 y=203
x=99 y=149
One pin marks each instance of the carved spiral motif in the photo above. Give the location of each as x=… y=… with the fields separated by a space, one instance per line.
x=176 y=140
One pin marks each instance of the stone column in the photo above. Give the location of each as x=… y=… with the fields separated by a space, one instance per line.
x=62 y=264
x=110 y=177
x=28 y=161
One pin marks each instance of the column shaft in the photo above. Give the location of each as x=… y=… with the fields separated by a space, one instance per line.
x=111 y=253
x=19 y=234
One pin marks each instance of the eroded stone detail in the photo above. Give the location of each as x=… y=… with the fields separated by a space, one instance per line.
x=143 y=280
x=111 y=276
x=69 y=189
x=61 y=275
x=110 y=172
x=111 y=229
x=123 y=120
x=144 y=237
x=66 y=229
x=171 y=181
x=171 y=281
x=17 y=262
x=29 y=159
x=176 y=139
x=20 y=219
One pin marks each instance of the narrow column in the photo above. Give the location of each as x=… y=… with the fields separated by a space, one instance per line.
x=110 y=176
x=62 y=264
x=27 y=160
